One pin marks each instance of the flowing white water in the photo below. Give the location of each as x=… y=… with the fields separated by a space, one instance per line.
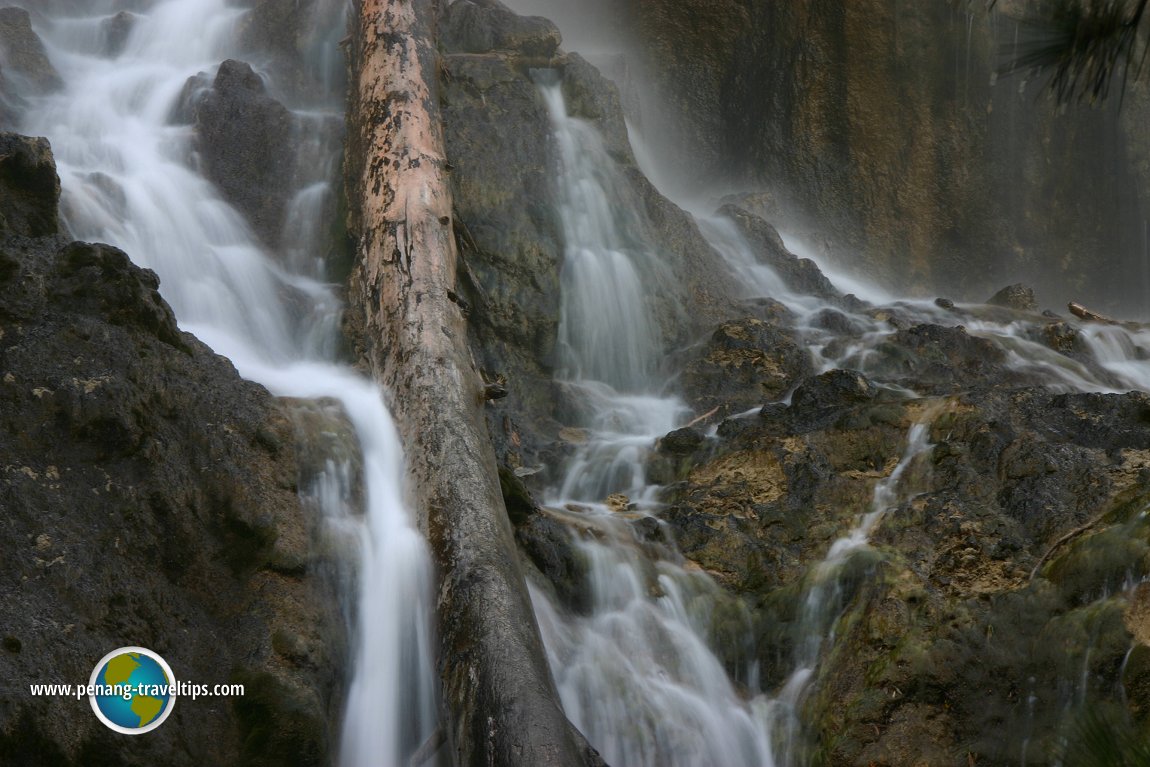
x=127 y=180
x=636 y=675
x=1115 y=358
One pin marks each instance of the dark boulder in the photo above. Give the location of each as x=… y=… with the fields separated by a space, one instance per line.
x=837 y=322
x=1063 y=338
x=100 y=280
x=184 y=110
x=682 y=441
x=29 y=187
x=245 y=143
x=482 y=26
x=931 y=358
x=744 y=364
x=1017 y=296
x=833 y=389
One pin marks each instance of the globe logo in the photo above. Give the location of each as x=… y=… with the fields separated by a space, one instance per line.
x=133 y=690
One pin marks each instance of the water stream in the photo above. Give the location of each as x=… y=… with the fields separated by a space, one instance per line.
x=129 y=179
x=638 y=673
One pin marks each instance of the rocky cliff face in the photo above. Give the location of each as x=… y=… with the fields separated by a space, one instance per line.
x=148 y=497
x=881 y=127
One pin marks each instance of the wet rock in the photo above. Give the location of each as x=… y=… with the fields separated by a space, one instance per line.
x=116 y=31
x=327 y=450
x=509 y=241
x=834 y=102
x=682 y=441
x=676 y=454
x=1017 y=296
x=592 y=97
x=800 y=274
x=184 y=110
x=769 y=310
x=101 y=280
x=931 y=358
x=296 y=40
x=742 y=365
x=508 y=233
x=833 y=389
x=618 y=502
x=244 y=141
x=1019 y=481
x=22 y=54
x=1064 y=338
x=547 y=544
x=837 y=322
x=482 y=26
x=29 y=187
x=1110 y=422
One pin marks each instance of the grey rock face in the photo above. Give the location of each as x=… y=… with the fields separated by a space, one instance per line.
x=23 y=56
x=245 y=144
x=482 y=26
x=500 y=145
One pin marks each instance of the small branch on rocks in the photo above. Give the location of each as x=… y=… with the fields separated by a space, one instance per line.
x=1064 y=540
x=703 y=417
x=429 y=748
x=1080 y=311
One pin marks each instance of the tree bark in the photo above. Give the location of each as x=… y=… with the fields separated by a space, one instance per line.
x=501 y=707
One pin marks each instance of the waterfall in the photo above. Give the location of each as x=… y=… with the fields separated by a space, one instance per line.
x=639 y=673
x=128 y=180
x=636 y=675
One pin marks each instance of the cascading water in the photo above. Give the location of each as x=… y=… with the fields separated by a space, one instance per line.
x=636 y=675
x=127 y=180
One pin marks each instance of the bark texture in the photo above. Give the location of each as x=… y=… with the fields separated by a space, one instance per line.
x=500 y=701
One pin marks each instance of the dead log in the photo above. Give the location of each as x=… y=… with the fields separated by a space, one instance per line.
x=1081 y=312
x=500 y=702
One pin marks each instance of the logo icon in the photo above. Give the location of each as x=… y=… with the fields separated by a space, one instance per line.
x=133 y=690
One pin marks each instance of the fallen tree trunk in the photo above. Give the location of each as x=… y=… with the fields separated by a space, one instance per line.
x=500 y=700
